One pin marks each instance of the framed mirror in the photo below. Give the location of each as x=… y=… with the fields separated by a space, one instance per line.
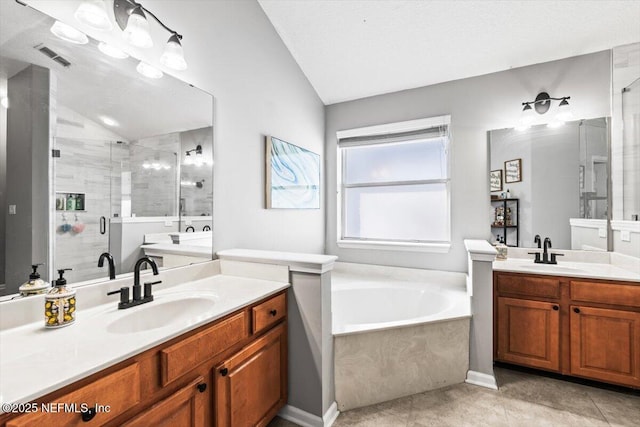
x=95 y=157
x=564 y=188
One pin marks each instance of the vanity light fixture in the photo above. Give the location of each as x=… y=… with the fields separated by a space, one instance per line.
x=541 y=104
x=149 y=71
x=111 y=51
x=131 y=18
x=68 y=33
x=94 y=14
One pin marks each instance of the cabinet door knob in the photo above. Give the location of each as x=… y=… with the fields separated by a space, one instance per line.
x=556 y=308
x=224 y=372
x=202 y=387
x=576 y=310
x=88 y=414
x=273 y=312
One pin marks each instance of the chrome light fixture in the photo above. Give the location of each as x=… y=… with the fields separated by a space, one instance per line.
x=131 y=18
x=94 y=14
x=541 y=104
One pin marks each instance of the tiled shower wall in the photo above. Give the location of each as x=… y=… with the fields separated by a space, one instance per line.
x=83 y=167
x=154 y=191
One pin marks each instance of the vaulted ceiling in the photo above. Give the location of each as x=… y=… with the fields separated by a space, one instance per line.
x=352 y=49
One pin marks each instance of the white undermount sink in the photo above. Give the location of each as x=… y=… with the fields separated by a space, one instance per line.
x=158 y=314
x=551 y=268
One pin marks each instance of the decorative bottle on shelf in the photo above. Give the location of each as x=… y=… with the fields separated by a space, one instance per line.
x=508 y=194
x=35 y=285
x=502 y=250
x=60 y=304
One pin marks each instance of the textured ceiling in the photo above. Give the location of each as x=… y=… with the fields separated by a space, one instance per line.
x=353 y=49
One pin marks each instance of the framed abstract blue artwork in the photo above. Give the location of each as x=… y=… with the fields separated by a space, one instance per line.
x=293 y=176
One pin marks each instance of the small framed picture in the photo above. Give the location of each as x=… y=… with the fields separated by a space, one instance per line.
x=513 y=171
x=495 y=180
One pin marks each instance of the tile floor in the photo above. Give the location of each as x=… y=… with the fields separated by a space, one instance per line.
x=524 y=399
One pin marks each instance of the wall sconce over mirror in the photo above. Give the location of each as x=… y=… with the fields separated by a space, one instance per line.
x=542 y=104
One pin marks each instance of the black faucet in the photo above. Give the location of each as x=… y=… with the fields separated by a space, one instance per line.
x=190 y=228
x=136 y=275
x=138 y=298
x=206 y=228
x=537 y=253
x=112 y=266
x=545 y=254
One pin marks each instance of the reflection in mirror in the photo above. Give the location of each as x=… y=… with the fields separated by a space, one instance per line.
x=119 y=180
x=564 y=186
x=631 y=150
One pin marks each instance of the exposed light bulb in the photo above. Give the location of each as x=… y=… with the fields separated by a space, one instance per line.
x=68 y=33
x=149 y=71
x=111 y=51
x=5 y=102
x=173 y=56
x=526 y=118
x=137 y=29
x=94 y=14
x=146 y=165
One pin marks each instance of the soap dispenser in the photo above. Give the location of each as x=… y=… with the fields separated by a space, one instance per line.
x=35 y=285
x=60 y=303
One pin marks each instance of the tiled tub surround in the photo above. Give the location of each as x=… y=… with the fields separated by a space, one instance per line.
x=398 y=331
x=88 y=346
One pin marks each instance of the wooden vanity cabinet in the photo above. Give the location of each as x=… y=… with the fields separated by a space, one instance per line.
x=178 y=383
x=585 y=328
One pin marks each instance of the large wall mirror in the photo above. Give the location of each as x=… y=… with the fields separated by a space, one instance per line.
x=562 y=187
x=95 y=157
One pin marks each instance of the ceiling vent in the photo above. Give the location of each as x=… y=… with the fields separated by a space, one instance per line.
x=53 y=55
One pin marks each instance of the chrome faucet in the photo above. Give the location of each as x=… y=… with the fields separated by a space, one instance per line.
x=138 y=298
x=112 y=266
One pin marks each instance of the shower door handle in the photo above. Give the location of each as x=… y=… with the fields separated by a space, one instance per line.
x=103 y=225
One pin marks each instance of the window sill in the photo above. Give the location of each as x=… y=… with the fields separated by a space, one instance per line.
x=441 y=248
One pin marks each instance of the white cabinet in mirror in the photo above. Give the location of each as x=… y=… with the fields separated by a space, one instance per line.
x=118 y=139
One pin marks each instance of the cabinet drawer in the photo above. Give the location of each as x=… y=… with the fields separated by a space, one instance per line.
x=269 y=312
x=528 y=286
x=606 y=293
x=119 y=391
x=182 y=357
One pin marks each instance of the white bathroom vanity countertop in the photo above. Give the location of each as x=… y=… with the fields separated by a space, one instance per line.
x=35 y=361
x=307 y=263
x=587 y=270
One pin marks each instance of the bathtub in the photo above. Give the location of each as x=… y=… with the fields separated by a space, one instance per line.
x=397 y=332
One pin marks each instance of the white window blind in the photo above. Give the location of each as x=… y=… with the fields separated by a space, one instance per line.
x=394 y=186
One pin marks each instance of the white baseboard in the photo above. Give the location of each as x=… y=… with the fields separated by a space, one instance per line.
x=305 y=419
x=481 y=379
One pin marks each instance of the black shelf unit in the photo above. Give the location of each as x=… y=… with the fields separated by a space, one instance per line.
x=510 y=202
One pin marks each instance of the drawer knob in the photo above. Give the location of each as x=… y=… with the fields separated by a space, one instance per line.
x=273 y=312
x=88 y=414
x=224 y=372
x=556 y=308
x=202 y=387
x=576 y=310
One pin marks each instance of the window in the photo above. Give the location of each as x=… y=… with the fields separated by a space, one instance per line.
x=394 y=186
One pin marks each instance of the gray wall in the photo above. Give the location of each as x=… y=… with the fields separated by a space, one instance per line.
x=235 y=54
x=28 y=144
x=476 y=105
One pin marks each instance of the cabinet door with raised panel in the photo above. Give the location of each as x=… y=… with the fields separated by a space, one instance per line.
x=605 y=344
x=251 y=386
x=529 y=333
x=184 y=408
